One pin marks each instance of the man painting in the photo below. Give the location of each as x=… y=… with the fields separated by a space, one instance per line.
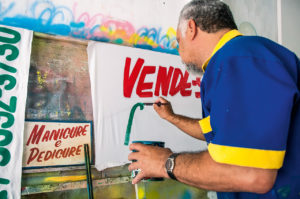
x=251 y=111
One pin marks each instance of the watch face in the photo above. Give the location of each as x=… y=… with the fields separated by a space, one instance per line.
x=169 y=164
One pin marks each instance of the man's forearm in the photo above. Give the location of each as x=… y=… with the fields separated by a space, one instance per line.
x=188 y=125
x=201 y=171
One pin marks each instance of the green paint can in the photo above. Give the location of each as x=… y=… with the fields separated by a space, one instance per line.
x=152 y=143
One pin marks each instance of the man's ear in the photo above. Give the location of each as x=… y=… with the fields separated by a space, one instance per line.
x=191 y=29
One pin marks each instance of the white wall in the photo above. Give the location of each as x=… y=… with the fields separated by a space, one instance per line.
x=255 y=17
x=291 y=25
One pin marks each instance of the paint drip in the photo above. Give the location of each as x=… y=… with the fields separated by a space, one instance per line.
x=129 y=124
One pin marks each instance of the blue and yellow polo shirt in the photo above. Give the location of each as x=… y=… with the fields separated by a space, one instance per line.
x=251 y=109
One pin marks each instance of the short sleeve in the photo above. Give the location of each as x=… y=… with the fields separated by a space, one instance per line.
x=251 y=101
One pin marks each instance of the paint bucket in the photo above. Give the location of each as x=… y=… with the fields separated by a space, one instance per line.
x=152 y=143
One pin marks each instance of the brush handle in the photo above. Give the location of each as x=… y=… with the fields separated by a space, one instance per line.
x=88 y=172
x=158 y=104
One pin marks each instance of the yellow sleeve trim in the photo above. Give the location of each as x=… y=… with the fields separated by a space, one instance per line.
x=265 y=159
x=205 y=125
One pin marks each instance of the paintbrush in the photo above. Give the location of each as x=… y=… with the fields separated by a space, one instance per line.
x=158 y=104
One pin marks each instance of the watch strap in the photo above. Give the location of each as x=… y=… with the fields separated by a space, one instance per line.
x=170 y=172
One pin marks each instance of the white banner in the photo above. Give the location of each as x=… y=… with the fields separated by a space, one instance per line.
x=123 y=76
x=15 y=49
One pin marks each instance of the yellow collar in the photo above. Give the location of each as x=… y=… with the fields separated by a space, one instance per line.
x=227 y=37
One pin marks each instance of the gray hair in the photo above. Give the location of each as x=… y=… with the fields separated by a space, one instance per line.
x=209 y=15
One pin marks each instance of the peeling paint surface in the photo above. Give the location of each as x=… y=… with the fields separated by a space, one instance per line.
x=55 y=93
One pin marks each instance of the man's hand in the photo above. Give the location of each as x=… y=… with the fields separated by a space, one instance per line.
x=149 y=159
x=164 y=111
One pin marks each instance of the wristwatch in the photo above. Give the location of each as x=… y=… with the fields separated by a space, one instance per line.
x=170 y=164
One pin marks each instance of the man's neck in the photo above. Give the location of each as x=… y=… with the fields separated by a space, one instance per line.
x=207 y=44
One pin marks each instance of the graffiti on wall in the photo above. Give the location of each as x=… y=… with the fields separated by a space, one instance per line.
x=46 y=17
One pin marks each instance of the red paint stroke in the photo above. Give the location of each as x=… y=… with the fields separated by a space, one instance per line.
x=163 y=80
x=197 y=83
x=129 y=80
x=142 y=85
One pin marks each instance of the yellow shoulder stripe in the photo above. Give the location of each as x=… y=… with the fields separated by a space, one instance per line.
x=205 y=125
x=226 y=38
x=265 y=159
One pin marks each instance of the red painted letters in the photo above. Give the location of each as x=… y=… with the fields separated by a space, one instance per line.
x=129 y=80
x=142 y=85
x=169 y=81
x=180 y=84
x=163 y=80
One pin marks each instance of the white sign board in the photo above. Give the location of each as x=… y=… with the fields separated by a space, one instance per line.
x=15 y=49
x=123 y=76
x=55 y=143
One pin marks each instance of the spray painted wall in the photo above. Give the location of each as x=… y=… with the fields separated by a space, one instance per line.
x=145 y=24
